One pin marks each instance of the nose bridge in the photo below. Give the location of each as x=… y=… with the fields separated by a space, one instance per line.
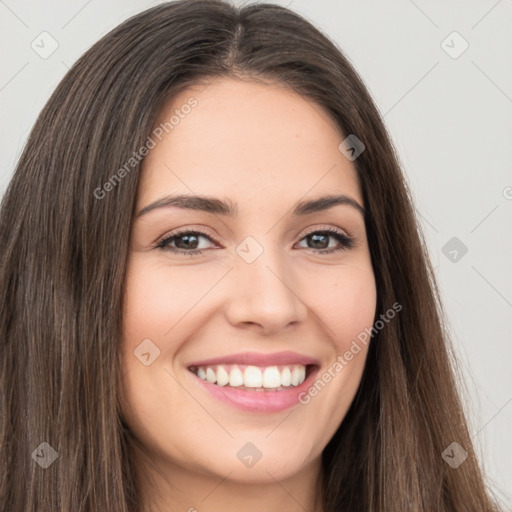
x=264 y=289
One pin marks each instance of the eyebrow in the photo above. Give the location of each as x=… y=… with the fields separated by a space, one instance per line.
x=227 y=207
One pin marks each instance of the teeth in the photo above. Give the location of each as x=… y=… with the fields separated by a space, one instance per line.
x=271 y=377
x=295 y=376
x=253 y=377
x=222 y=376
x=211 y=376
x=257 y=379
x=286 y=377
x=236 y=377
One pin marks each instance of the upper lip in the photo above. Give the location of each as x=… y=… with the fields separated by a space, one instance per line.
x=259 y=359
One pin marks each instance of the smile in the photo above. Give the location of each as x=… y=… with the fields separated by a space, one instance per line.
x=253 y=378
x=255 y=382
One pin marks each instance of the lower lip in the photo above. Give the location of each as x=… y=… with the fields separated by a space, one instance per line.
x=258 y=401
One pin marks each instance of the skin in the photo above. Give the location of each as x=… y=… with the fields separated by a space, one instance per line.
x=265 y=148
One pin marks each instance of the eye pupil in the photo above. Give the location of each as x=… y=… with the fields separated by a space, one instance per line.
x=315 y=239
x=187 y=244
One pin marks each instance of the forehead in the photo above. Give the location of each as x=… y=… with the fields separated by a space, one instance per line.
x=249 y=141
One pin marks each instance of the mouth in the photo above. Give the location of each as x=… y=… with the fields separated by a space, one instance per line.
x=256 y=382
x=254 y=378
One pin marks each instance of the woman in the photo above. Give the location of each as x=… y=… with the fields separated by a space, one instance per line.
x=295 y=358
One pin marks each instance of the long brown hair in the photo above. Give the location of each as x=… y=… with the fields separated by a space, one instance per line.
x=65 y=245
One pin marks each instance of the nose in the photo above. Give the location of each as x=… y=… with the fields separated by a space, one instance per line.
x=264 y=295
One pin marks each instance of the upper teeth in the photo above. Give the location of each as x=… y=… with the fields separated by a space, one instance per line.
x=269 y=377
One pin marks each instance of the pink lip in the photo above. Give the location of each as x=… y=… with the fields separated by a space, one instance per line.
x=257 y=359
x=259 y=401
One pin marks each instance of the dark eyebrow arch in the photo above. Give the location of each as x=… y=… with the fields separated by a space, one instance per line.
x=227 y=207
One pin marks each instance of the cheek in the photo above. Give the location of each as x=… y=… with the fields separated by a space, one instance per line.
x=346 y=305
x=158 y=305
x=157 y=299
x=155 y=306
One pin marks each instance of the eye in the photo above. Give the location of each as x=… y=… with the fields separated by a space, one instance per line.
x=186 y=242
x=320 y=240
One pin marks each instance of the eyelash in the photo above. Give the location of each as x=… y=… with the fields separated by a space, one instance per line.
x=346 y=242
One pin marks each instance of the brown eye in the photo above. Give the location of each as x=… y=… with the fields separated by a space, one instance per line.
x=185 y=242
x=319 y=241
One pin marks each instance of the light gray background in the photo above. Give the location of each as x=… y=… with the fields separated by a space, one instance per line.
x=450 y=119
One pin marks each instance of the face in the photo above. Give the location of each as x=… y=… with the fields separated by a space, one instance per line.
x=233 y=320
